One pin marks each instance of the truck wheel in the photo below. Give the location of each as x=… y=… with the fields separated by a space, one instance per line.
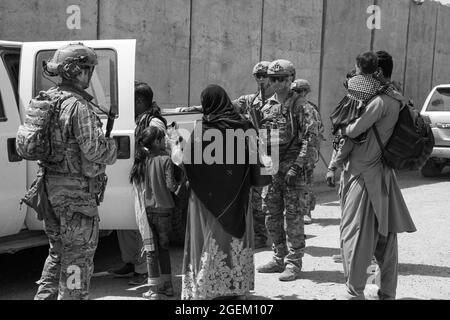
x=432 y=168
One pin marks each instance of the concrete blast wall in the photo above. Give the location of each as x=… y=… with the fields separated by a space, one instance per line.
x=184 y=45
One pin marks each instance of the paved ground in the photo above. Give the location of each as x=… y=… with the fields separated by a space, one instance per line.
x=424 y=271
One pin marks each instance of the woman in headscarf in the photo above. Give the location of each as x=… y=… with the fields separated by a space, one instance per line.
x=218 y=256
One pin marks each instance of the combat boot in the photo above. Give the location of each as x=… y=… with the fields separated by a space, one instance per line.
x=290 y=273
x=272 y=266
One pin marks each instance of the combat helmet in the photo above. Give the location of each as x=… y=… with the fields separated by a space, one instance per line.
x=280 y=68
x=261 y=68
x=68 y=61
x=301 y=84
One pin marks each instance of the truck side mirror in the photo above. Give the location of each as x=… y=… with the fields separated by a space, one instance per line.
x=13 y=156
x=123 y=147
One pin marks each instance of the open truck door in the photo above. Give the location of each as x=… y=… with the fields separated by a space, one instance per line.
x=13 y=168
x=112 y=87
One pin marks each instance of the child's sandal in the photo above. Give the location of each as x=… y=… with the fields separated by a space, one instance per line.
x=151 y=295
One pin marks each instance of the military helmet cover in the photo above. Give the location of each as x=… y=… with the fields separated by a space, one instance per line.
x=68 y=61
x=301 y=84
x=261 y=67
x=281 y=68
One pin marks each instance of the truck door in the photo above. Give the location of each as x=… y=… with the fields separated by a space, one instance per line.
x=12 y=167
x=112 y=86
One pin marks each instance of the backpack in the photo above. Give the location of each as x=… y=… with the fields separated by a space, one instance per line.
x=411 y=142
x=33 y=140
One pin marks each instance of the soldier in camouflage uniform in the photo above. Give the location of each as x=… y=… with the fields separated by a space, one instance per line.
x=74 y=177
x=285 y=201
x=245 y=105
x=302 y=87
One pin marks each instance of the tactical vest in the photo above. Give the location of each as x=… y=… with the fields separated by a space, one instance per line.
x=283 y=118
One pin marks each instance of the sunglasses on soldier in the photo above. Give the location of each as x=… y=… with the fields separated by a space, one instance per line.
x=260 y=76
x=278 y=79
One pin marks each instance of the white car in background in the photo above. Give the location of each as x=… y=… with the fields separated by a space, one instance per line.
x=436 y=110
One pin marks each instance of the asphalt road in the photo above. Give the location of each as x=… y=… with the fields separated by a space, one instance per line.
x=424 y=270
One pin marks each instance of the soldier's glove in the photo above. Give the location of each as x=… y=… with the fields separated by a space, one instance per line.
x=330 y=177
x=292 y=174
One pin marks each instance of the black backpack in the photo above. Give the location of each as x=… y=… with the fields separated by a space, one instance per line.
x=412 y=141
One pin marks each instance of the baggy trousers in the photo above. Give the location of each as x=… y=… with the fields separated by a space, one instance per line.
x=360 y=241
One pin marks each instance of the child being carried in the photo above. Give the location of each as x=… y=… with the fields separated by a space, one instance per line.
x=362 y=85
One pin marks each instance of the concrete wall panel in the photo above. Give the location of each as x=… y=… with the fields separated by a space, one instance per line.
x=441 y=70
x=225 y=45
x=422 y=28
x=162 y=32
x=392 y=37
x=293 y=30
x=346 y=35
x=45 y=20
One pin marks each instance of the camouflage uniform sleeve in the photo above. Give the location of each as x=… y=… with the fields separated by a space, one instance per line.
x=87 y=129
x=240 y=104
x=169 y=174
x=308 y=133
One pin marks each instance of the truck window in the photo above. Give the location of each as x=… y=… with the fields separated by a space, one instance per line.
x=11 y=59
x=103 y=83
x=2 y=111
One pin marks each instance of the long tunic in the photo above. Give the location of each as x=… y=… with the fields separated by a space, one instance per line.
x=365 y=162
x=215 y=263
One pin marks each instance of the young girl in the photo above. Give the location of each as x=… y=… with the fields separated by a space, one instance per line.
x=153 y=180
x=362 y=86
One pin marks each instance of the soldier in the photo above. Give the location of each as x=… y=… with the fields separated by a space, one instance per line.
x=285 y=200
x=75 y=177
x=303 y=88
x=250 y=106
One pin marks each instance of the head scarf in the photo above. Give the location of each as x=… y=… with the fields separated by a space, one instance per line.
x=218 y=111
x=223 y=188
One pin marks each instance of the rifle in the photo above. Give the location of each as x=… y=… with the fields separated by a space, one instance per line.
x=254 y=112
x=110 y=123
x=262 y=91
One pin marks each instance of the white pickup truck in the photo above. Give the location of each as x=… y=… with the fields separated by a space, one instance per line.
x=112 y=86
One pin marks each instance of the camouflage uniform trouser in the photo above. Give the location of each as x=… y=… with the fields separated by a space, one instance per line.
x=259 y=218
x=284 y=207
x=73 y=239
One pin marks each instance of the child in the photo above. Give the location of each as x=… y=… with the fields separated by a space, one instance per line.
x=157 y=177
x=362 y=86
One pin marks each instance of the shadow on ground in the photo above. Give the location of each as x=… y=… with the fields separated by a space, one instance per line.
x=322 y=251
x=423 y=270
x=327 y=222
x=324 y=276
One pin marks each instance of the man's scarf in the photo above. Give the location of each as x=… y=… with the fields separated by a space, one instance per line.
x=361 y=90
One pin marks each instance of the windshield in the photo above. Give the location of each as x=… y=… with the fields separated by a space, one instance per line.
x=440 y=101
x=103 y=83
